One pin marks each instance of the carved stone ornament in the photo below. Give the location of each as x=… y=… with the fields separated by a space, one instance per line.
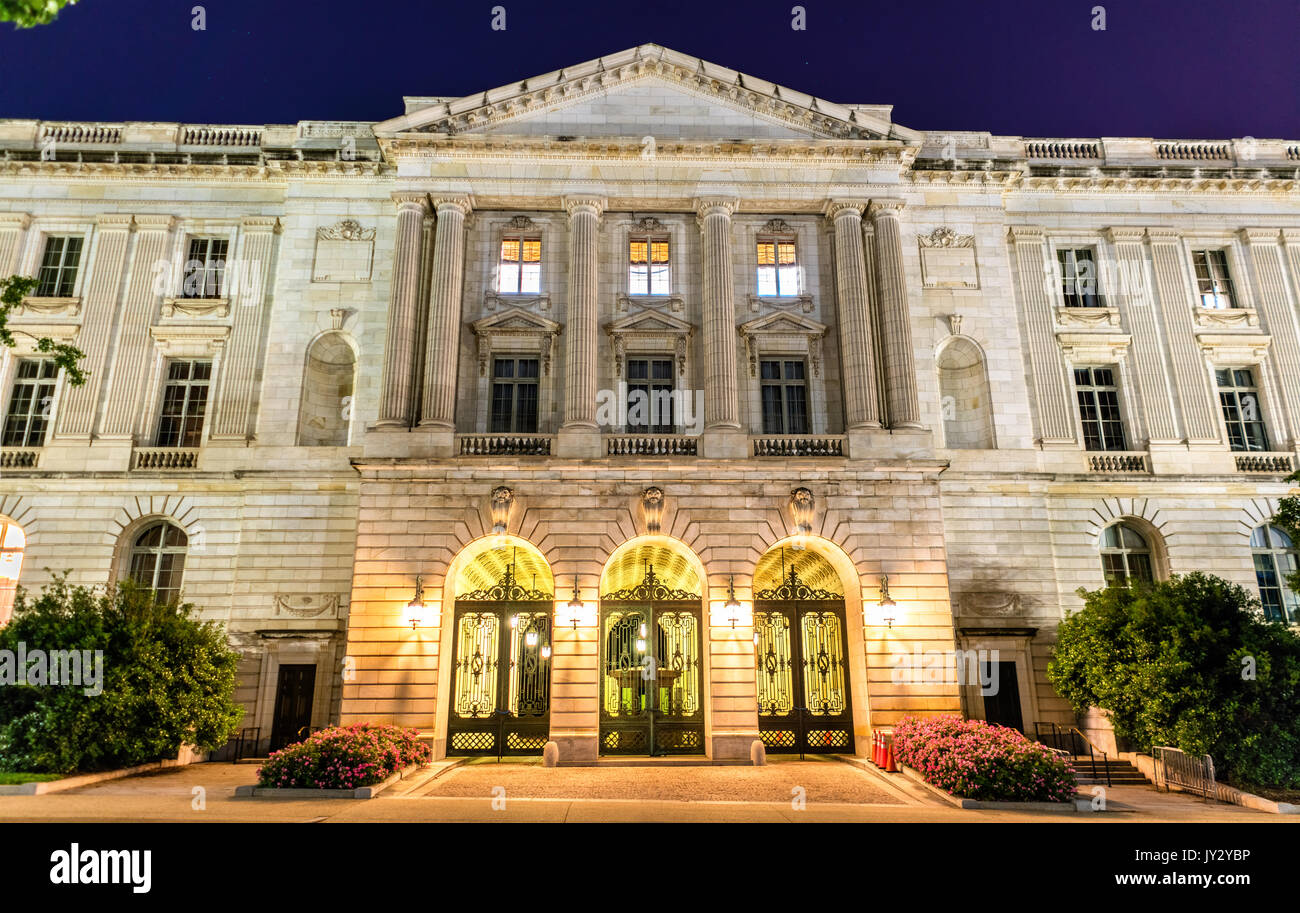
x=995 y=604
x=196 y=307
x=345 y=230
x=954 y=324
x=521 y=223
x=48 y=307
x=652 y=507
x=943 y=236
x=307 y=606
x=778 y=227
x=650 y=224
x=502 y=500
x=801 y=510
x=1101 y=318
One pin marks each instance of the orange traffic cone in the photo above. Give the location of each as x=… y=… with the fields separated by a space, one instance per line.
x=889 y=765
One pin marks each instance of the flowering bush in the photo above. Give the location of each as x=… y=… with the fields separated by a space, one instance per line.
x=344 y=757
x=976 y=760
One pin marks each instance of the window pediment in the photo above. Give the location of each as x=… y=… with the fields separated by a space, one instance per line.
x=784 y=332
x=515 y=330
x=653 y=329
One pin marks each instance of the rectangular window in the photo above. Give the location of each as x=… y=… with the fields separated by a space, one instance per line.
x=1213 y=284
x=1079 y=285
x=185 y=401
x=58 y=274
x=1098 y=395
x=520 y=269
x=778 y=268
x=1242 y=412
x=30 y=402
x=648 y=266
x=785 y=397
x=649 y=395
x=514 y=395
x=205 y=268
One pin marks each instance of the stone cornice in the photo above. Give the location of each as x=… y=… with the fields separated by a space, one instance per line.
x=1117 y=184
x=145 y=171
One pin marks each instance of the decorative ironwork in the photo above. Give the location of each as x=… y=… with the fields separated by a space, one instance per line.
x=649 y=589
x=792 y=588
x=507 y=589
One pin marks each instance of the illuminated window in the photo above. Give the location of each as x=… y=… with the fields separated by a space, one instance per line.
x=1275 y=561
x=778 y=268
x=647 y=266
x=58 y=275
x=520 y=270
x=12 y=542
x=1213 y=284
x=158 y=560
x=1125 y=556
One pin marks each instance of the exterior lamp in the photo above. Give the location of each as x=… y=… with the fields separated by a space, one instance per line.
x=732 y=606
x=415 y=608
x=575 y=605
x=886 y=603
x=531 y=638
x=546 y=651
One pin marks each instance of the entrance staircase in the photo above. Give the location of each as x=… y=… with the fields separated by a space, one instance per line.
x=1108 y=772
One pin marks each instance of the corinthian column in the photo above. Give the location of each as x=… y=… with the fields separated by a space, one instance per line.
x=579 y=434
x=721 y=400
x=895 y=320
x=857 y=348
x=438 y=408
x=397 y=394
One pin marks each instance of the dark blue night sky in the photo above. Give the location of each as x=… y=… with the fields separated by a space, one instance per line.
x=1163 y=68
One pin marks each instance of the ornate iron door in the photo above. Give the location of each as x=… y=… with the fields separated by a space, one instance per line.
x=651 y=669
x=802 y=669
x=501 y=671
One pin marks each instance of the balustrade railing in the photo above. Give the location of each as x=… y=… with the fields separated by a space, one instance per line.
x=1131 y=461
x=1282 y=463
x=651 y=445
x=19 y=457
x=799 y=445
x=504 y=444
x=165 y=458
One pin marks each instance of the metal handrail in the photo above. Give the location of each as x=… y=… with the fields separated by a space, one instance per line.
x=1057 y=732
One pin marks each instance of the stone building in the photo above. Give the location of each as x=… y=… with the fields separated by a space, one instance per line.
x=645 y=406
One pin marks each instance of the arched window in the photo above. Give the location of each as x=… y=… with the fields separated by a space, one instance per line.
x=1275 y=560
x=1125 y=555
x=964 y=397
x=12 y=542
x=326 y=410
x=158 y=560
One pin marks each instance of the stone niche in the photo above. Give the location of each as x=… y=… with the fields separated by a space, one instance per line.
x=948 y=260
x=345 y=252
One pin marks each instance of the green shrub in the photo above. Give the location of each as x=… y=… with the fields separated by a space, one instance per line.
x=168 y=680
x=344 y=757
x=1189 y=663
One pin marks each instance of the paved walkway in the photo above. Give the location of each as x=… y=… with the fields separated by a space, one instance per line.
x=832 y=792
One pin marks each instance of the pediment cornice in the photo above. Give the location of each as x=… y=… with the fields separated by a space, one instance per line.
x=515 y=321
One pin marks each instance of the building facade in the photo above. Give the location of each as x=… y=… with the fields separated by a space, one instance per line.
x=645 y=406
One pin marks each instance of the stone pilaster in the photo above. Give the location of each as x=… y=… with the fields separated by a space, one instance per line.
x=397 y=394
x=438 y=412
x=857 y=342
x=1196 y=399
x=133 y=349
x=99 y=300
x=895 y=318
x=1278 y=319
x=723 y=436
x=236 y=398
x=1046 y=366
x=1132 y=295
x=12 y=227
x=579 y=436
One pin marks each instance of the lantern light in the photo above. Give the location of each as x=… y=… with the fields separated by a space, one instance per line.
x=887 y=603
x=732 y=605
x=546 y=651
x=575 y=605
x=415 y=608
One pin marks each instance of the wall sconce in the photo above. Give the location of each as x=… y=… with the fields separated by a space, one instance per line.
x=887 y=604
x=415 y=608
x=575 y=605
x=731 y=605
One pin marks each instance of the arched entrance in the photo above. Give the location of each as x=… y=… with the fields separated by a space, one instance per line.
x=651 y=652
x=801 y=654
x=501 y=653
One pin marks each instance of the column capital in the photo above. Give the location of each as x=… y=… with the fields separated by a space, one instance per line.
x=1123 y=234
x=154 y=223
x=836 y=208
x=1260 y=235
x=575 y=204
x=409 y=199
x=1163 y=236
x=260 y=223
x=879 y=208
x=11 y=220
x=1290 y=236
x=708 y=206
x=1027 y=234
x=111 y=221
x=459 y=202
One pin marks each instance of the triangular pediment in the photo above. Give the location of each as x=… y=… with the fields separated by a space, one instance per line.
x=649 y=320
x=792 y=324
x=515 y=320
x=648 y=90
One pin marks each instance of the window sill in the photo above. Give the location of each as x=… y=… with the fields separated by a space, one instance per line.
x=494 y=300
x=1218 y=318
x=1097 y=317
x=804 y=302
x=674 y=302
x=196 y=307
x=48 y=307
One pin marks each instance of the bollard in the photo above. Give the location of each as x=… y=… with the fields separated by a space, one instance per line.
x=550 y=755
x=758 y=753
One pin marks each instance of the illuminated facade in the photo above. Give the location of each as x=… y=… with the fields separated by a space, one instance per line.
x=703 y=410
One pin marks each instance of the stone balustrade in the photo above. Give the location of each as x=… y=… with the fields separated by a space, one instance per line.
x=651 y=445
x=165 y=458
x=1281 y=463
